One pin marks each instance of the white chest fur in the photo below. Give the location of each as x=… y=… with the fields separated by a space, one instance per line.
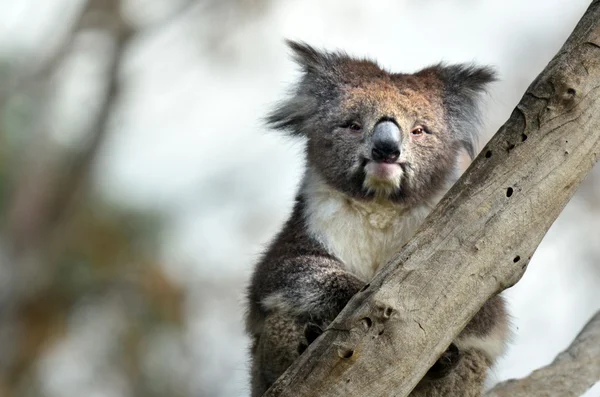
x=363 y=235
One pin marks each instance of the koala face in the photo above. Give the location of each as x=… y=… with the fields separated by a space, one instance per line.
x=373 y=134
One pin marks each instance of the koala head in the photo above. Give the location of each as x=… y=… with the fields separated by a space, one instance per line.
x=371 y=133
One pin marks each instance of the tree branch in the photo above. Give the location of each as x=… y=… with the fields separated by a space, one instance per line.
x=476 y=242
x=572 y=373
x=41 y=197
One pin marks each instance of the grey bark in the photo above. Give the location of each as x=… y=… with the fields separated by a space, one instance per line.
x=571 y=374
x=477 y=241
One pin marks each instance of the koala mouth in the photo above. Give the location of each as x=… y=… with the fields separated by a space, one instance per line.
x=382 y=178
x=383 y=171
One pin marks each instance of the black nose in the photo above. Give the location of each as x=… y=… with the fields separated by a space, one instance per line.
x=386 y=142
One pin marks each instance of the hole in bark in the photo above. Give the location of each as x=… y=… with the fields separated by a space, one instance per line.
x=571 y=91
x=388 y=312
x=488 y=154
x=364 y=287
x=516 y=259
x=346 y=353
x=381 y=332
x=302 y=347
x=509 y=192
x=367 y=322
x=510 y=147
x=523 y=137
x=348 y=380
x=566 y=152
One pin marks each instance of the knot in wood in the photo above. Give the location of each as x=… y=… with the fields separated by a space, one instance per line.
x=384 y=311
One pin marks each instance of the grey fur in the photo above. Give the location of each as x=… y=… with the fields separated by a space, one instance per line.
x=305 y=277
x=463 y=86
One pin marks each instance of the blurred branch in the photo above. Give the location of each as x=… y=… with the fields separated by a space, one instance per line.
x=59 y=244
x=40 y=199
x=108 y=12
x=42 y=192
x=571 y=374
x=25 y=80
x=92 y=14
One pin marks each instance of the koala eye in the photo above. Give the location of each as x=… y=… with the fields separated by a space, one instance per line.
x=353 y=126
x=417 y=131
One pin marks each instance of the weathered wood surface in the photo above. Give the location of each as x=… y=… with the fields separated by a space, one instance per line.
x=477 y=242
x=571 y=374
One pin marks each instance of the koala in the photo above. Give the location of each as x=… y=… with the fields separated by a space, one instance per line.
x=382 y=149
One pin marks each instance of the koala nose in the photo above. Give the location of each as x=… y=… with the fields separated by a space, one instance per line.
x=385 y=142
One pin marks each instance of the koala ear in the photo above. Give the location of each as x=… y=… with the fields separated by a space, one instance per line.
x=310 y=59
x=292 y=114
x=318 y=78
x=463 y=86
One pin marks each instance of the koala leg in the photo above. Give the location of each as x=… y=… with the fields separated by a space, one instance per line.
x=283 y=339
x=466 y=379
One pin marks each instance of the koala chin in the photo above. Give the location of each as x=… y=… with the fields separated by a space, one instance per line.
x=382 y=149
x=382 y=179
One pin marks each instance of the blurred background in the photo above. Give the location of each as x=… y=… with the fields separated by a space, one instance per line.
x=138 y=184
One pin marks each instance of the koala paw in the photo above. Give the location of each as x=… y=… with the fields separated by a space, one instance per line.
x=445 y=364
x=311 y=332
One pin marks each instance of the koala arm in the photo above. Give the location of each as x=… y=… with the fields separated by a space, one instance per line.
x=297 y=276
x=311 y=285
x=290 y=294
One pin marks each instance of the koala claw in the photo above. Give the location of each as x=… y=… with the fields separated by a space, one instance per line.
x=311 y=332
x=445 y=364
